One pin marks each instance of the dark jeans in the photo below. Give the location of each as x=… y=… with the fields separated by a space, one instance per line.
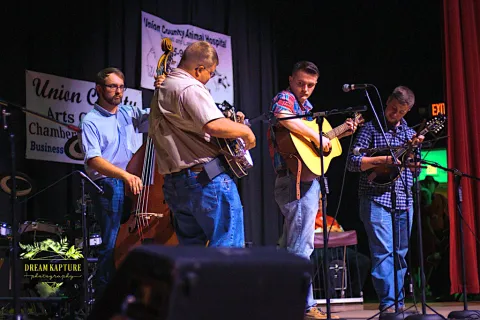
x=109 y=212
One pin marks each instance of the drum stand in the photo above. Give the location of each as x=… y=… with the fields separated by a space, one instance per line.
x=86 y=242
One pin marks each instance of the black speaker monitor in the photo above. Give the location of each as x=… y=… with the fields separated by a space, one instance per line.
x=176 y=283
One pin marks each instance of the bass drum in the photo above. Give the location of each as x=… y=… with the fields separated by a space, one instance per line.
x=37 y=231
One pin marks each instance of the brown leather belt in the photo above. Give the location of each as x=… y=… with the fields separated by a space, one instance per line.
x=195 y=168
x=206 y=171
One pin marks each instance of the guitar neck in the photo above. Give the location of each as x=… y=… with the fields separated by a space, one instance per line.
x=335 y=132
x=401 y=151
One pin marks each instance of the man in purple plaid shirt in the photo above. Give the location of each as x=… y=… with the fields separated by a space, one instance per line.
x=375 y=201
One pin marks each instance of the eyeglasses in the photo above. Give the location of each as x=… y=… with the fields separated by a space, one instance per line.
x=114 y=87
x=212 y=74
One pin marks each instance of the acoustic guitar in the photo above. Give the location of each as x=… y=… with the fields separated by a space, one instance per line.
x=298 y=150
x=386 y=174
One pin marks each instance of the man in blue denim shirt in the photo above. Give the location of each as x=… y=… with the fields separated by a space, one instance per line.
x=375 y=201
x=198 y=186
x=299 y=211
x=109 y=139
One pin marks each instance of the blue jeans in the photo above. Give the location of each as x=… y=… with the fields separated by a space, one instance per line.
x=212 y=213
x=378 y=225
x=299 y=224
x=109 y=213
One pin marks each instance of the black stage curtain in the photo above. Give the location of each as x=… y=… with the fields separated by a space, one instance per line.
x=77 y=39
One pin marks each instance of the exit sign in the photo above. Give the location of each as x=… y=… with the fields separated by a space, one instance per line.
x=437 y=108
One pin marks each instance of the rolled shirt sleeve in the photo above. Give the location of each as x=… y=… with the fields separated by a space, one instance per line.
x=190 y=100
x=283 y=103
x=90 y=141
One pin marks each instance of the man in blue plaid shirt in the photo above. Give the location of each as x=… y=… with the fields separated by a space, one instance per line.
x=375 y=203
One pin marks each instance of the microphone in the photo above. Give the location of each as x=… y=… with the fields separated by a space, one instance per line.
x=357 y=151
x=351 y=87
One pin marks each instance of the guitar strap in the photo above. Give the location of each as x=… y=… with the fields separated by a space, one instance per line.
x=288 y=155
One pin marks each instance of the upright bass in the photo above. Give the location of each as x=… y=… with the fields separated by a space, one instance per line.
x=150 y=221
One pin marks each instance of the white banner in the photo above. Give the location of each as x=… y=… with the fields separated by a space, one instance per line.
x=64 y=100
x=155 y=29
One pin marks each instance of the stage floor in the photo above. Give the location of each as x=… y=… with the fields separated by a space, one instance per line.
x=367 y=310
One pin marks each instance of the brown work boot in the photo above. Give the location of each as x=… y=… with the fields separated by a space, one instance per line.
x=315 y=313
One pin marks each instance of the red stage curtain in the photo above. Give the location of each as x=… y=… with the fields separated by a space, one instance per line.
x=462 y=84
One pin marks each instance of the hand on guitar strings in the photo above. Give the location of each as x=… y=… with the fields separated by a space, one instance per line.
x=250 y=141
x=414 y=141
x=327 y=145
x=133 y=183
x=352 y=125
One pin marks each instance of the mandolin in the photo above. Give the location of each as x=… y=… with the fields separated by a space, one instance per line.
x=386 y=174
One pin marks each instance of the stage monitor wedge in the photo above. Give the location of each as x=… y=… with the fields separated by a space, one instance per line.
x=180 y=283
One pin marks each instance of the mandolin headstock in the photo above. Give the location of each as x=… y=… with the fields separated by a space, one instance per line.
x=434 y=125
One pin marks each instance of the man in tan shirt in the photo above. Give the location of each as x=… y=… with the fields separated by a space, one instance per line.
x=198 y=186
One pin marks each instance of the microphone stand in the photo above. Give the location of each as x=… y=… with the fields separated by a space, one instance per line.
x=9 y=104
x=323 y=197
x=424 y=314
x=319 y=116
x=15 y=222
x=458 y=175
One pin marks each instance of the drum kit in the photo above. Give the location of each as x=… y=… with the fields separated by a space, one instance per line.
x=39 y=230
x=17 y=185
